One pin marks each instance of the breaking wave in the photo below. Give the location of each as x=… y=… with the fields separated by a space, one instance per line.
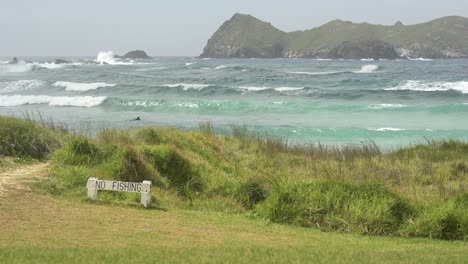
x=82 y=101
x=368 y=69
x=386 y=106
x=383 y=129
x=188 y=86
x=80 y=87
x=108 y=57
x=21 y=85
x=278 y=89
x=422 y=86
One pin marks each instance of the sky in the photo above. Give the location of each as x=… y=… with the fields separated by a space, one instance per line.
x=180 y=27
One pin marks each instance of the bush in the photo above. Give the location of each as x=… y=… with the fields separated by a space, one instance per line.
x=330 y=205
x=447 y=221
x=22 y=138
x=79 y=151
x=173 y=166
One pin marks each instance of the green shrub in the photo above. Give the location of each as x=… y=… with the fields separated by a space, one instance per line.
x=173 y=166
x=127 y=164
x=79 y=151
x=443 y=222
x=330 y=205
x=148 y=136
x=67 y=179
x=23 y=138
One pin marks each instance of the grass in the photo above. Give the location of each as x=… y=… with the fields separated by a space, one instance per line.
x=240 y=198
x=58 y=230
x=417 y=191
x=360 y=189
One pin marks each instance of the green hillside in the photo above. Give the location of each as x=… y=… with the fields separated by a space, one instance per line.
x=445 y=37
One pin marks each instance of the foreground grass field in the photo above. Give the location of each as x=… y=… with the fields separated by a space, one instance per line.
x=40 y=228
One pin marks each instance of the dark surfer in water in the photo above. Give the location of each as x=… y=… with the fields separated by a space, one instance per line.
x=136 y=119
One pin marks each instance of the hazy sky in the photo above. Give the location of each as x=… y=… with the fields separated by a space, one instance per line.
x=176 y=27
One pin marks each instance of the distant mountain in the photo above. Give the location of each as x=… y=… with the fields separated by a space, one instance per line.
x=244 y=36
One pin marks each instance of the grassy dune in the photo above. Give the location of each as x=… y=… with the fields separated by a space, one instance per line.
x=224 y=196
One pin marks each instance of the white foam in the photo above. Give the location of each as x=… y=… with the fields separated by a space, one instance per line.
x=188 y=63
x=368 y=69
x=254 y=88
x=315 y=73
x=21 y=85
x=382 y=129
x=431 y=86
x=285 y=89
x=428 y=129
x=49 y=65
x=146 y=103
x=187 y=86
x=262 y=88
x=108 y=57
x=368 y=59
x=189 y=105
x=83 y=101
x=17 y=68
x=221 y=67
x=418 y=59
x=383 y=106
x=80 y=87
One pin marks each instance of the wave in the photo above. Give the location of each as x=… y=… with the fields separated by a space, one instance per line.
x=383 y=129
x=262 y=88
x=364 y=69
x=188 y=86
x=368 y=69
x=82 y=101
x=108 y=57
x=188 y=63
x=221 y=67
x=418 y=59
x=368 y=59
x=17 y=68
x=151 y=69
x=317 y=73
x=48 y=65
x=423 y=86
x=80 y=87
x=21 y=85
x=385 y=106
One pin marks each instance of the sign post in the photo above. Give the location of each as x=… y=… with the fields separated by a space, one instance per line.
x=144 y=188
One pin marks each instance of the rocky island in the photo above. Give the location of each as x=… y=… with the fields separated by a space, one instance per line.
x=134 y=55
x=244 y=36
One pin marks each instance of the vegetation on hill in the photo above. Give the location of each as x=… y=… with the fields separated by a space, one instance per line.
x=445 y=37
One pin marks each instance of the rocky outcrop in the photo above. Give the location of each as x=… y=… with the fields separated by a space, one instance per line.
x=60 y=61
x=244 y=36
x=135 y=55
x=13 y=61
x=369 y=49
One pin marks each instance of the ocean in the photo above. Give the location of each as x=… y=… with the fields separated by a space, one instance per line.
x=392 y=103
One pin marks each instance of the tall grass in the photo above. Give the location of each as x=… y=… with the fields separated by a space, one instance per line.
x=413 y=191
x=23 y=138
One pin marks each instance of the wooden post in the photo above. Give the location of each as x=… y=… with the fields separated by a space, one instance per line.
x=92 y=189
x=146 y=193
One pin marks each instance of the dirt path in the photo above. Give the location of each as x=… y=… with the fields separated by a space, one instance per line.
x=13 y=179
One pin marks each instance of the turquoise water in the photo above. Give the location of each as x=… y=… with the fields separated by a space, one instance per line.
x=390 y=102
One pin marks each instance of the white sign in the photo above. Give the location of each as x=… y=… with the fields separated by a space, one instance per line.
x=144 y=188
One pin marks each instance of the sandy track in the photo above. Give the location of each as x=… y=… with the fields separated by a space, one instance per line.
x=13 y=179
